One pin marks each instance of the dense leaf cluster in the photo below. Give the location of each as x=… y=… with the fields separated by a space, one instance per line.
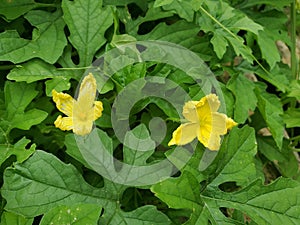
x=48 y=44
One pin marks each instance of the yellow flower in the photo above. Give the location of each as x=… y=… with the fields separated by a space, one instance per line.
x=81 y=112
x=204 y=122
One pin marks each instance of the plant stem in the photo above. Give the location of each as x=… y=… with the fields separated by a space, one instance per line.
x=294 y=63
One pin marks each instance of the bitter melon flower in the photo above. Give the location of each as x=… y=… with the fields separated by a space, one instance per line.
x=82 y=112
x=203 y=122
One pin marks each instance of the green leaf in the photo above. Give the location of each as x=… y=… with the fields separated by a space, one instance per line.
x=206 y=205
x=73 y=150
x=277 y=76
x=245 y=98
x=134 y=156
x=183 y=8
x=271 y=109
x=235 y=160
x=43 y=182
x=251 y=199
x=72 y=214
x=159 y=3
x=141 y=3
x=233 y=163
x=13 y=9
x=59 y=83
x=121 y=39
x=283 y=158
x=182 y=192
x=17 y=98
x=35 y=70
x=146 y=215
x=18 y=149
x=129 y=74
x=9 y=218
x=182 y=33
x=274 y=30
x=292 y=118
x=48 y=39
x=276 y=3
x=152 y=14
x=105 y=120
x=229 y=100
x=220 y=43
x=224 y=22
x=87 y=22
x=268 y=48
x=294 y=90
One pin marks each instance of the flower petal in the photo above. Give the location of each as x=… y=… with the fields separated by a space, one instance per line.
x=204 y=134
x=219 y=123
x=184 y=134
x=207 y=105
x=209 y=139
x=87 y=92
x=82 y=127
x=64 y=102
x=64 y=123
x=230 y=123
x=214 y=142
x=98 y=108
x=211 y=130
x=190 y=111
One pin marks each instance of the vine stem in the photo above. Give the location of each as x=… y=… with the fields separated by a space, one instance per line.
x=235 y=37
x=294 y=63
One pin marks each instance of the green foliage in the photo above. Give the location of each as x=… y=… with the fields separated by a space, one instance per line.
x=17 y=97
x=206 y=200
x=229 y=21
x=124 y=172
x=87 y=30
x=245 y=99
x=11 y=218
x=271 y=110
x=78 y=213
x=47 y=43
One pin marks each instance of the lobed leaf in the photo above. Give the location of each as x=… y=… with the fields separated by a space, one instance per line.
x=226 y=22
x=48 y=39
x=87 y=21
x=18 y=149
x=234 y=163
x=17 y=97
x=259 y=202
x=44 y=182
